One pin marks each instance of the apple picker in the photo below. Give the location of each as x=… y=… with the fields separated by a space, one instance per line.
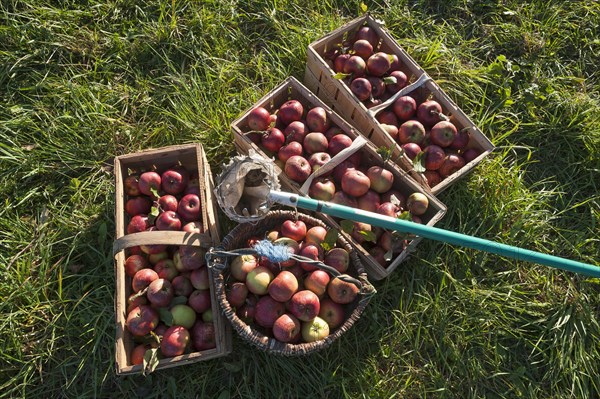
x=248 y=188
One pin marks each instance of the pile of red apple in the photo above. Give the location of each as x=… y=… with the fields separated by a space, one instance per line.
x=293 y=302
x=170 y=301
x=427 y=136
x=352 y=183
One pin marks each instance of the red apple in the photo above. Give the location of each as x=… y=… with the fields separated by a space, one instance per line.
x=283 y=286
x=259 y=119
x=188 y=258
x=322 y=188
x=341 y=291
x=433 y=177
x=377 y=87
x=338 y=143
x=203 y=336
x=165 y=268
x=442 y=134
x=355 y=66
x=175 y=180
x=434 y=157
x=200 y=300
x=318 y=159
x=167 y=202
x=461 y=140
x=411 y=131
x=141 y=320
x=134 y=263
x=401 y=82
x=341 y=169
x=452 y=164
x=182 y=286
x=296 y=131
x=272 y=140
x=405 y=107
x=387 y=118
x=317 y=120
x=367 y=33
x=149 y=181
x=428 y=112
x=160 y=292
x=363 y=48
x=237 y=294
x=470 y=154
x=132 y=185
x=296 y=230
x=411 y=150
x=417 y=203
x=138 y=223
x=168 y=220
x=391 y=130
x=333 y=131
x=317 y=281
x=342 y=198
x=378 y=64
x=286 y=328
x=297 y=168
x=378 y=253
x=290 y=111
x=138 y=205
x=267 y=311
x=388 y=209
x=355 y=183
x=305 y=305
x=137 y=354
x=289 y=150
x=333 y=313
x=313 y=252
x=174 y=341
x=155 y=258
x=339 y=62
x=189 y=208
x=362 y=88
x=193 y=227
x=134 y=301
x=369 y=201
x=247 y=311
x=338 y=258
x=142 y=279
x=199 y=278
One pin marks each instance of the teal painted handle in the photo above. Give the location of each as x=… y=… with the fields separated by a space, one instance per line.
x=434 y=233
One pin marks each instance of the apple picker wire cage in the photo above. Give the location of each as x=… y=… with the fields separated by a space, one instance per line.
x=242 y=192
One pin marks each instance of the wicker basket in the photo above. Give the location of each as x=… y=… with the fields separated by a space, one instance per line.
x=237 y=239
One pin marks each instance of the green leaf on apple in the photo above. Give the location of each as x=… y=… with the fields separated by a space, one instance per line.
x=347 y=226
x=385 y=152
x=390 y=80
x=179 y=300
x=154 y=211
x=330 y=239
x=419 y=162
x=405 y=216
x=363 y=7
x=154 y=192
x=369 y=235
x=165 y=316
x=391 y=58
x=341 y=75
x=150 y=361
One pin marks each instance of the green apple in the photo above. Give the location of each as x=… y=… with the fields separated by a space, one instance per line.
x=258 y=280
x=183 y=315
x=315 y=330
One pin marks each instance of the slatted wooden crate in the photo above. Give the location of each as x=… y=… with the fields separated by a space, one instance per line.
x=293 y=89
x=193 y=158
x=319 y=78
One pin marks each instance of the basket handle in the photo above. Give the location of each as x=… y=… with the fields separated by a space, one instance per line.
x=202 y=240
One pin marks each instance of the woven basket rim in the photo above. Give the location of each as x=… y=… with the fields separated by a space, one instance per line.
x=257 y=338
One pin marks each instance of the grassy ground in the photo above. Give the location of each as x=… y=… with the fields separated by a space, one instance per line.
x=83 y=81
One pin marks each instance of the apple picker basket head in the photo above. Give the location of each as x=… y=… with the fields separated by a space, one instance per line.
x=235 y=243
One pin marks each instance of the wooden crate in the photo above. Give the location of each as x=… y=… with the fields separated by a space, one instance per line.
x=194 y=159
x=293 y=89
x=336 y=93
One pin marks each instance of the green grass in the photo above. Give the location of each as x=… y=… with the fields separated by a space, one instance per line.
x=82 y=82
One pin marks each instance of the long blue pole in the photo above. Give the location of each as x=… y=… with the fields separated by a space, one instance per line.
x=433 y=233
